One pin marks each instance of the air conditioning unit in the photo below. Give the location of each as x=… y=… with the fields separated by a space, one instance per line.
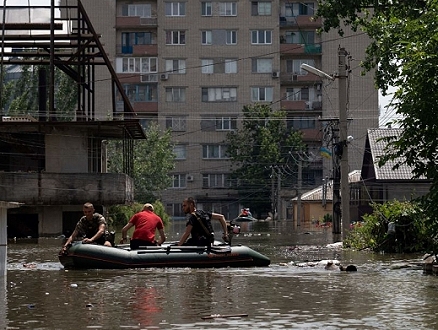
x=189 y=178
x=276 y=74
x=164 y=76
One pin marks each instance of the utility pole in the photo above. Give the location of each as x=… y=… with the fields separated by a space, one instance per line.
x=341 y=197
x=336 y=200
x=279 y=213
x=345 y=188
x=273 y=192
x=300 y=187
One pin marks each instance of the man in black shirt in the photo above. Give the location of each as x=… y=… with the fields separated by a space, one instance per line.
x=199 y=225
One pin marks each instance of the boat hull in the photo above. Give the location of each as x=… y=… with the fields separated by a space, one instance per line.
x=89 y=256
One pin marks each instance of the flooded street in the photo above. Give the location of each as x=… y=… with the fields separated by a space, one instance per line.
x=289 y=294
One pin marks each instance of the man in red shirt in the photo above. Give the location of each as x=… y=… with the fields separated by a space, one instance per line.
x=146 y=222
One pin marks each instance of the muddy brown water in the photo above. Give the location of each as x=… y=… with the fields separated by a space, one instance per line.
x=294 y=292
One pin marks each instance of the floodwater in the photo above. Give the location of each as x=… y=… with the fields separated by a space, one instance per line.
x=387 y=291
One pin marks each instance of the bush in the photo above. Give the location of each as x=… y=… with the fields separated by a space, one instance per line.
x=406 y=218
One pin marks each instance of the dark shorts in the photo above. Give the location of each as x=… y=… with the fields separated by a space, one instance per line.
x=136 y=243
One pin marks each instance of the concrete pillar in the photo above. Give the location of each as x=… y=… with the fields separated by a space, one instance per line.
x=4 y=206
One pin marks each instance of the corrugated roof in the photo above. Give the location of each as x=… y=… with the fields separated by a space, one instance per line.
x=377 y=148
x=316 y=194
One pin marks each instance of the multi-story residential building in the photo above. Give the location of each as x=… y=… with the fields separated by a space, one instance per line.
x=193 y=65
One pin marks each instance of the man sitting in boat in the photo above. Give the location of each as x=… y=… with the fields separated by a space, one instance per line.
x=199 y=225
x=245 y=212
x=146 y=222
x=92 y=226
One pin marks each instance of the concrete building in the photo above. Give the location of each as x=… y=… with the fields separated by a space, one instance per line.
x=51 y=166
x=193 y=65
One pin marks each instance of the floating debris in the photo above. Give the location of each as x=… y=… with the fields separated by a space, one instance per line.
x=214 y=316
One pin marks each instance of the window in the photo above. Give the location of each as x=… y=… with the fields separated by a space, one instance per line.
x=219 y=94
x=206 y=38
x=231 y=37
x=206 y=8
x=179 y=181
x=143 y=11
x=226 y=123
x=299 y=123
x=261 y=94
x=299 y=8
x=230 y=66
x=175 y=37
x=261 y=8
x=176 y=66
x=262 y=65
x=175 y=8
x=136 y=65
x=216 y=181
x=175 y=94
x=130 y=39
x=141 y=92
x=227 y=9
x=261 y=37
x=174 y=210
x=298 y=94
x=213 y=151
x=218 y=37
x=209 y=66
x=180 y=151
x=294 y=66
x=300 y=37
x=176 y=123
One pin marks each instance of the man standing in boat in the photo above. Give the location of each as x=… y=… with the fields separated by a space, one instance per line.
x=146 y=222
x=199 y=225
x=92 y=226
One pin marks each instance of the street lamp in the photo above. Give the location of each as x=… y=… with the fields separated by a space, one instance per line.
x=344 y=139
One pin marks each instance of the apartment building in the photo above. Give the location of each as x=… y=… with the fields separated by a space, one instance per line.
x=193 y=65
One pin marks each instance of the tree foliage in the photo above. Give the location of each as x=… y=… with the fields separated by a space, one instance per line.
x=263 y=143
x=153 y=160
x=119 y=215
x=405 y=217
x=404 y=38
x=21 y=95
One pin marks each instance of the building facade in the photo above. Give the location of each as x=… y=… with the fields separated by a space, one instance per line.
x=193 y=65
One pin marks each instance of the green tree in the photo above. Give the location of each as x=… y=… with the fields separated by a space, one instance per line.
x=404 y=40
x=23 y=93
x=257 y=149
x=153 y=159
x=119 y=215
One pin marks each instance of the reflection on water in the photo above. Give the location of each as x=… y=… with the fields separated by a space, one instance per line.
x=43 y=295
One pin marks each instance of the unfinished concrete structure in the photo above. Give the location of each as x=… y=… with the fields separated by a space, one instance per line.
x=51 y=166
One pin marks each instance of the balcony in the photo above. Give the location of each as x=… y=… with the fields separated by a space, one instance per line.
x=301 y=105
x=290 y=78
x=294 y=49
x=126 y=22
x=139 y=50
x=66 y=188
x=300 y=21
